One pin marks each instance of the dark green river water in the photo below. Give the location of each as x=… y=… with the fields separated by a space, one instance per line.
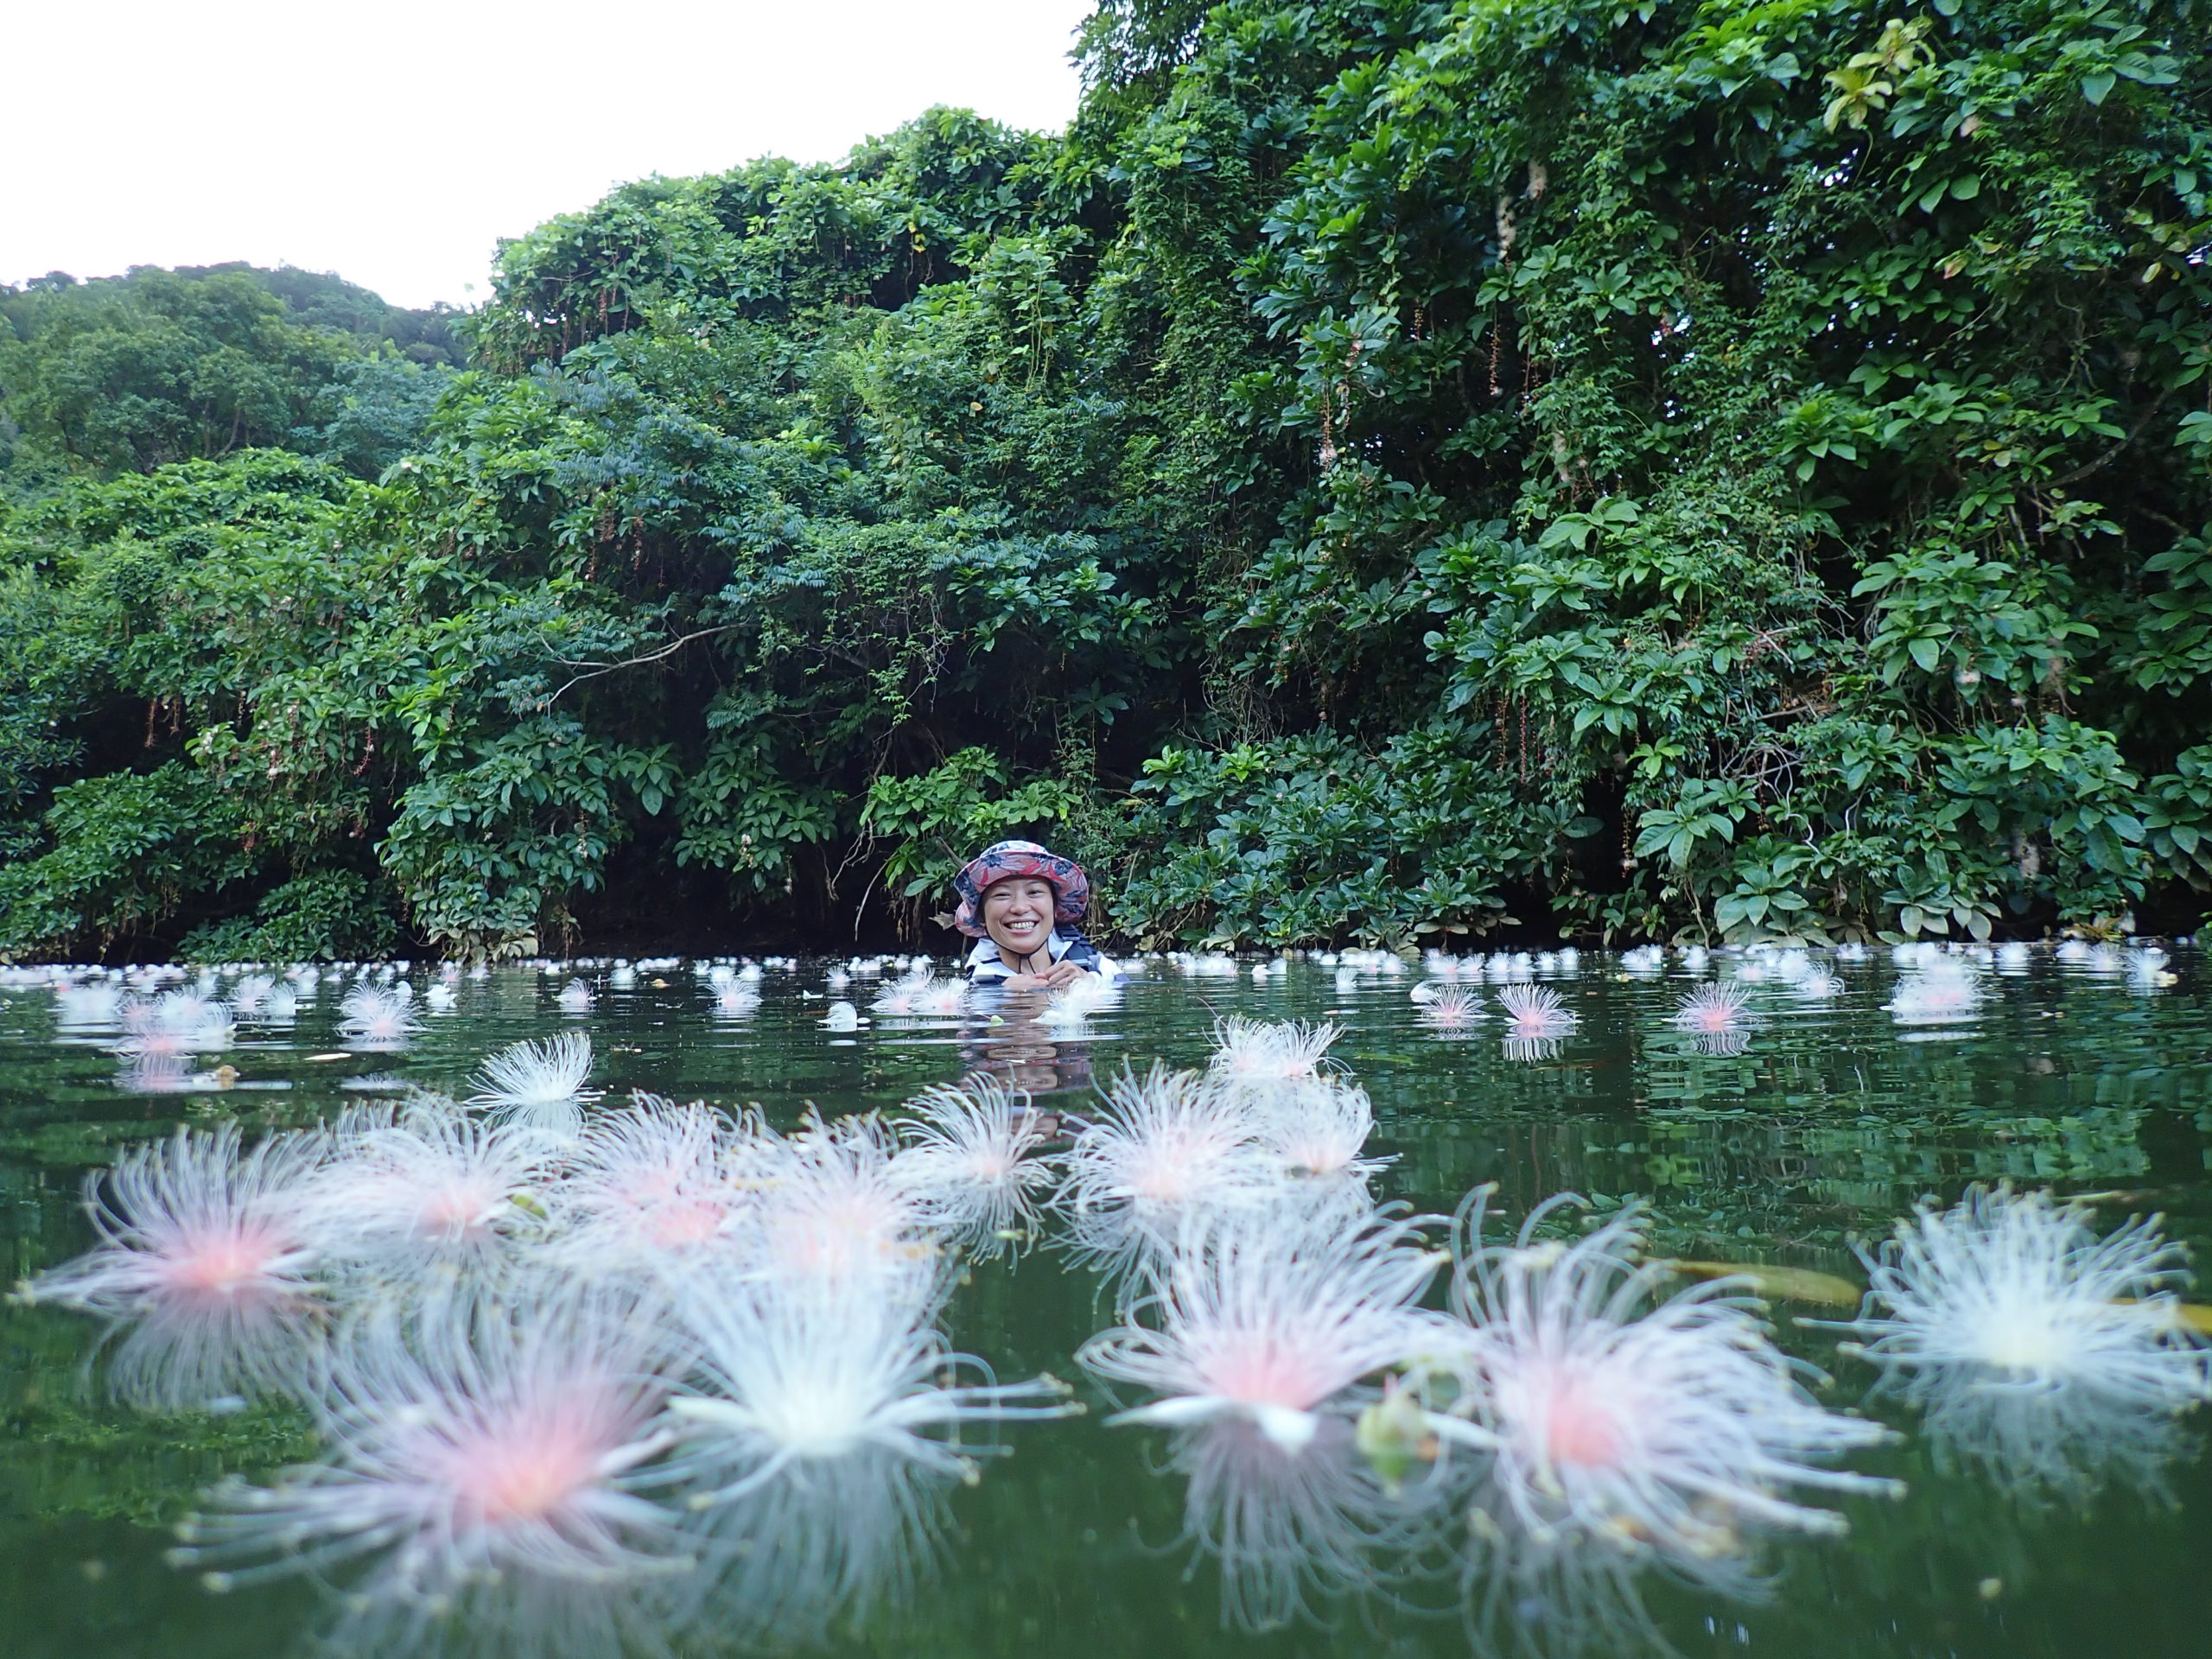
x=1832 y=1121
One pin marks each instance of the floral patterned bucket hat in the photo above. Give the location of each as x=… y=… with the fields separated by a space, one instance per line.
x=1070 y=886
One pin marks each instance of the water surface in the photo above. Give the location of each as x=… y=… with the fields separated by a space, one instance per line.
x=1833 y=1120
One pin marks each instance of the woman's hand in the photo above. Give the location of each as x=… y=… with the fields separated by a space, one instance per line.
x=1058 y=977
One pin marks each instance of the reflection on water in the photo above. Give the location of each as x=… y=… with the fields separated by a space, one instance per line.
x=793 y=1565
x=799 y=1561
x=1524 y=1049
x=1294 y=1535
x=2053 y=1447
x=1561 y=1598
x=1016 y=1042
x=1832 y=1093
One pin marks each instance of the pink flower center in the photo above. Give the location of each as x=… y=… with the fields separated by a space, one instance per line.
x=1261 y=1371
x=647 y=1185
x=1161 y=1181
x=458 y=1208
x=221 y=1264
x=1320 y=1156
x=991 y=1165
x=679 y=1222
x=523 y=1472
x=1578 y=1428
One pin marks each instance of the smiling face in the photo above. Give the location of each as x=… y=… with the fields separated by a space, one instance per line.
x=1018 y=914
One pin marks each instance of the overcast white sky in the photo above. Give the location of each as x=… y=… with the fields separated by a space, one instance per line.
x=394 y=141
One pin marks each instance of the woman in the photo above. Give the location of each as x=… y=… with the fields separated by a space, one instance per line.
x=1021 y=904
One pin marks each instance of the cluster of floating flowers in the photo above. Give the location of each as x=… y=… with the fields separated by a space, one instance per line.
x=162 y=1021
x=1573 y=1413
x=1336 y=1426
x=159 y=1020
x=549 y=1344
x=555 y=1347
x=1535 y=1017
x=2142 y=965
x=920 y=992
x=1938 y=986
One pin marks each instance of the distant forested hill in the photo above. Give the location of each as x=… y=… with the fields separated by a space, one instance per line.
x=1390 y=471
x=127 y=373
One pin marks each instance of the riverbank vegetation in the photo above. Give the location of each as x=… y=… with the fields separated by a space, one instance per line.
x=1390 y=471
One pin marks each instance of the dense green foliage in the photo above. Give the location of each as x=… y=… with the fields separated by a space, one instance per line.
x=1389 y=468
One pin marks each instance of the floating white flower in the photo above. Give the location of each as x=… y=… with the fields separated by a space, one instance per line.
x=904 y=997
x=87 y=1007
x=1818 y=986
x=734 y=999
x=791 y=1374
x=1270 y=1316
x=1258 y=1052
x=2018 y=1287
x=377 y=1016
x=1944 y=991
x=247 y=994
x=470 y=1440
x=1450 y=1009
x=1535 y=1014
x=2147 y=970
x=1713 y=1009
x=1536 y=1011
x=1073 y=1005
x=1317 y=1129
x=1167 y=1144
x=206 y=1262
x=835 y=1204
x=2043 y=1357
x=1619 y=1417
x=1714 y=1018
x=653 y=1187
x=530 y=1076
x=973 y=1155
x=425 y=1184
x=173 y=1023
x=943 y=998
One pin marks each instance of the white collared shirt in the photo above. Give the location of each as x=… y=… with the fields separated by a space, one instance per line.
x=987 y=967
